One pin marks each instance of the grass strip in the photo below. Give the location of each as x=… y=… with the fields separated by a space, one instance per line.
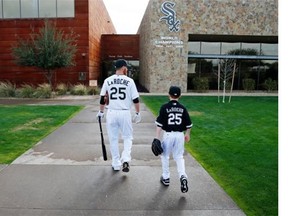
x=23 y=126
x=237 y=143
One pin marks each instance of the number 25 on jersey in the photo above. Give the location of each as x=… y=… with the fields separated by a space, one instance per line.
x=118 y=93
x=174 y=118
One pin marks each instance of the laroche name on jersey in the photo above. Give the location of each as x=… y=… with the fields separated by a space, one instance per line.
x=118 y=81
x=174 y=109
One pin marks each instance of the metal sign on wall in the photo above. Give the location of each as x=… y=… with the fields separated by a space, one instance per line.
x=170 y=16
x=169 y=41
x=173 y=24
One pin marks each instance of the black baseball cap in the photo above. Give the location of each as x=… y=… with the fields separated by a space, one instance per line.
x=175 y=91
x=120 y=63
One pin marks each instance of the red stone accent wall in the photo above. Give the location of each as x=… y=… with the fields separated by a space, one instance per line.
x=120 y=46
x=99 y=23
x=89 y=23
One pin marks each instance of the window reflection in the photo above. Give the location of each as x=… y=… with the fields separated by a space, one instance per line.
x=210 y=48
x=258 y=70
x=257 y=61
x=194 y=47
x=36 y=8
x=12 y=9
x=269 y=49
x=224 y=48
x=29 y=8
x=228 y=47
x=65 y=8
x=251 y=46
x=47 y=8
x=1 y=15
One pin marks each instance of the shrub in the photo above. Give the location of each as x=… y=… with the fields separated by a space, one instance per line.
x=43 y=91
x=93 y=90
x=248 y=84
x=26 y=91
x=61 y=89
x=79 y=89
x=270 y=85
x=7 y=89
x=201 y=84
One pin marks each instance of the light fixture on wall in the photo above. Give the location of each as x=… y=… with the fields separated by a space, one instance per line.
x=83 y=55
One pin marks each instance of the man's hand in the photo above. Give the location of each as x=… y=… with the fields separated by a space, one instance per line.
x=100 y=114
x=137 y=118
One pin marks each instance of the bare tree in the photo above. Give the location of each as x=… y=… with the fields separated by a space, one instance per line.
x=226 y=72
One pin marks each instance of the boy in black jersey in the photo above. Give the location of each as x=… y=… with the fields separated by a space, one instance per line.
x=173 y=119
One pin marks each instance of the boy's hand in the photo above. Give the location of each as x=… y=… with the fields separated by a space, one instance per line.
x=187 y=137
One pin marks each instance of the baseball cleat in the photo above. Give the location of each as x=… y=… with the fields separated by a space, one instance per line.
x=184 y=184
x=126 y=167
x=165 y=182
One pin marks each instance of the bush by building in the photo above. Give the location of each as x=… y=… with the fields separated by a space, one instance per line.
x=201 y=84
x=270 y=85
x=7 y=89
x=25 y=91
x=249 y=84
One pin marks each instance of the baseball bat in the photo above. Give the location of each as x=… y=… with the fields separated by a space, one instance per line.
x=104 y=152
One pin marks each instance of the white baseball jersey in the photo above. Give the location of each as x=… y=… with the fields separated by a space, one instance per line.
x=121 y=90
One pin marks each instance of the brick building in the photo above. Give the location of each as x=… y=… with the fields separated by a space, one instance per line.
x=89 y=19
x=177 y=41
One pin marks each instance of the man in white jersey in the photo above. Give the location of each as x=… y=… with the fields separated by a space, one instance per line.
x=122 y=92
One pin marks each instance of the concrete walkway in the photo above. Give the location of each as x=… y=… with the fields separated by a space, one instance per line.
x=65 y=175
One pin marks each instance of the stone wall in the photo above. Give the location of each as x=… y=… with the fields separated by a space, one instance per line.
x=163 y=53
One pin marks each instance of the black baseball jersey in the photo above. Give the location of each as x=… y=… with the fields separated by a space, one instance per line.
x=173 y=116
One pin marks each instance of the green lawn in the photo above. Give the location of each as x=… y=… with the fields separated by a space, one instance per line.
x=23 y=126
x=237 y=143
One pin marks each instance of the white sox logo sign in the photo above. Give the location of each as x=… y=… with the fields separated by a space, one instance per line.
x=171 y=20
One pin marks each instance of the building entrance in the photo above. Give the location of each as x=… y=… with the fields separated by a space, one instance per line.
x=108 y=69
x=115 y=47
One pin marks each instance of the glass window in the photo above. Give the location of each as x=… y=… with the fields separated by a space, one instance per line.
x=228 y=47
x=1 y=15
x=29 y=8
x=210 y=48
x=194 y=47
x=47 y=8
x=269 y=49
x=65 y=8
x=254 y=46
x=11 y=9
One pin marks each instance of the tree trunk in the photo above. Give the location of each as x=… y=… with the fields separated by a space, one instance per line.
x=233 y=76
x=224 y=90
x=218 y=81
x=49 y=76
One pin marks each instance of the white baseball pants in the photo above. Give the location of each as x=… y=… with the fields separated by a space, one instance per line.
x=119 y=122
x=173 y=142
